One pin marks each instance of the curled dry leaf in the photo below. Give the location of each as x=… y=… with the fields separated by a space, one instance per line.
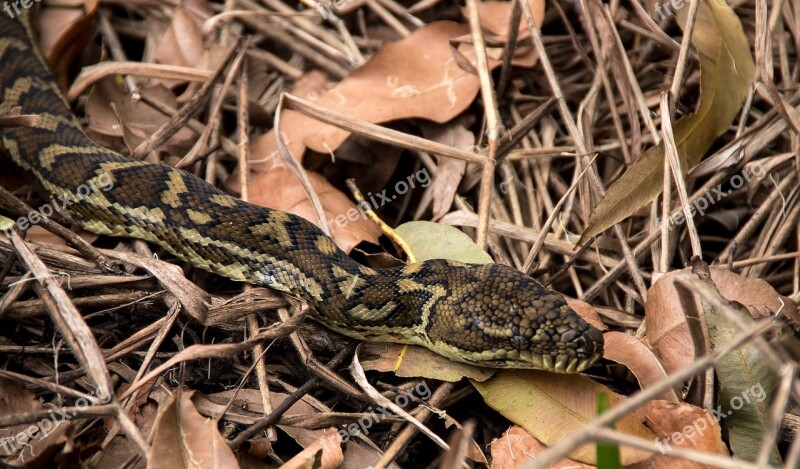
x=629 y=351
x=551 y=406
x=681 y=426
x=247 y=408
x=184 y=438
x=665 y=318
x=517 y=447
x=666 y=308
x=279 y=189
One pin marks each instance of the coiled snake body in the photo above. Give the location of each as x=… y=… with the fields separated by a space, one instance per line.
x=487 y=315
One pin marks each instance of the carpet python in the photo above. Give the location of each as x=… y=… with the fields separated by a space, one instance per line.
x=487 y=315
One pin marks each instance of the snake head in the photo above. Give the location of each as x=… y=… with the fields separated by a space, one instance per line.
x=500 y=318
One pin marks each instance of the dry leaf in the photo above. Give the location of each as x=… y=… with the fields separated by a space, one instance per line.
x=586 y=312
x=551 y=406
x=325 y=453
x=665 y=319
x=410 y=361
x=63 y=32
x=517 y=447
x=681 y=426
x=279 y=189
x=184 y=438
x=726 y=71
x=627 y=350
x=417 y=76
x=111 y=113
x=760 y=299
x=450 y=170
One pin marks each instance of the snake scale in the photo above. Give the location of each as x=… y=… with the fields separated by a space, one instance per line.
x=487 y=315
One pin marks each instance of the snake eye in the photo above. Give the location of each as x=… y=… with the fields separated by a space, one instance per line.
x=519 y=342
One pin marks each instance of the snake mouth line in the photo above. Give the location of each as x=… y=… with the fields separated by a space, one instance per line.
x=546 y=362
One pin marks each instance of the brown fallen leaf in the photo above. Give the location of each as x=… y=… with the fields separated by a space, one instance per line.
x=587 y=312
x=325 y=453
x=279 y=189
x=357 y=451
x=112 y=114
x=517 y=447
x=450 y=170
x=726 y=73
x=639 y=358
x=759 y=297
x=183 y=44
x=63 y=32
x=184 y=438
x=668 y=332
x=15 y=398
x=416 y=77
x=665 y=318
x=681 y=426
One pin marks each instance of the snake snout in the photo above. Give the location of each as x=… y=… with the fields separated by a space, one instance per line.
x=590 y=346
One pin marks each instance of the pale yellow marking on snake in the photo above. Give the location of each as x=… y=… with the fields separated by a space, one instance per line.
x=223 y=200
x=175 y=187
x=199 y=217
x=274 y=227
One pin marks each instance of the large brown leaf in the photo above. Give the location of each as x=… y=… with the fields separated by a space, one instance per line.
x=416 y=77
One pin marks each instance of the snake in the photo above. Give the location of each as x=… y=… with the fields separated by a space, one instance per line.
x=488 y=315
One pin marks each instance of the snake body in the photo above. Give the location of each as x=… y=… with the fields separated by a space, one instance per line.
x=487 y=315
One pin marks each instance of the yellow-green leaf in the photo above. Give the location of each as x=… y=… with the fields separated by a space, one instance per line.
x=551 y=406
x=726 y=73
x=429 y=240
x=411 y=361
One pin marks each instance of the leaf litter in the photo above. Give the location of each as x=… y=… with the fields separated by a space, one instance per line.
x=421 y=78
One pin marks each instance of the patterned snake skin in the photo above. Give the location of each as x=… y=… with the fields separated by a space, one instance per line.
x=487 y=315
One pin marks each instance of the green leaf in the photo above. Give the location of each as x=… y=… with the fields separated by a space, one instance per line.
x=747 y=387
x=429 y=240
x=726 y=73
x=607 y=453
